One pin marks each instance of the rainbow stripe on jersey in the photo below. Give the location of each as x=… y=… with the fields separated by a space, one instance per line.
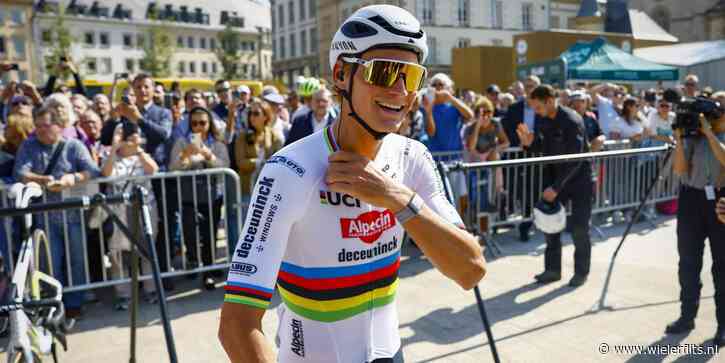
x=329 y=294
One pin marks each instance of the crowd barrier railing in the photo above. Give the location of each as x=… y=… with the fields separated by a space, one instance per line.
x=181 y=203
x=504 y=192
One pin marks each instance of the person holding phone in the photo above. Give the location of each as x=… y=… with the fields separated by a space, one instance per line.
x=63 y=67
x=256 y=146
x=202 y=148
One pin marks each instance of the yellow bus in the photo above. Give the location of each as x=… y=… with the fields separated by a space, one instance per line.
x=94 y=87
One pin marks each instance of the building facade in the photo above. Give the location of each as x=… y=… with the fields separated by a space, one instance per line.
x=690 y=21
x=295 y=39
x=16 y=46
x=110 y=35
x=563 y=14
x=448 y=23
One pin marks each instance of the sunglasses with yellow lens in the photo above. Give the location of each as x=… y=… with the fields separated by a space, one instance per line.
x=385 y=72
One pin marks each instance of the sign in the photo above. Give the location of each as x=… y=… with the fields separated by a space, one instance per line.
x=522 y=47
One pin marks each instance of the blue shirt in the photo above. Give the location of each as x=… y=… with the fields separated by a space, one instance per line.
x=448 y=129
x=529 y=117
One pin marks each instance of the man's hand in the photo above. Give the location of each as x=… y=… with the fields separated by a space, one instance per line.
x=525 y=135
x=43 y=180
x=66 y=181
x=130 y=112
x=705 y=126
x=444 y=96
x=356 y=175
x=549 y=195
x=427 y=104
x=720 y=210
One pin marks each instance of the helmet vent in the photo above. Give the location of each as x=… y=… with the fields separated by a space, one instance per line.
x=356 y=29
x=377 y=19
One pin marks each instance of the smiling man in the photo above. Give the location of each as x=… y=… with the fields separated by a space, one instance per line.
x=328 y=213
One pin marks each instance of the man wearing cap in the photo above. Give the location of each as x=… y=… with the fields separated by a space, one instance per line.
x=224 y=91
x=279 y=125
x=580 y=103
x=492 y=93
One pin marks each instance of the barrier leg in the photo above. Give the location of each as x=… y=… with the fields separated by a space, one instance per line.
x=133 y=311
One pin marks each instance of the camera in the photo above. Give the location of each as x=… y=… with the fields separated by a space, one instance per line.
x=688 y=110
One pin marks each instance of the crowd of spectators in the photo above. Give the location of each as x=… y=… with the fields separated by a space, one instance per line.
x=61 y=138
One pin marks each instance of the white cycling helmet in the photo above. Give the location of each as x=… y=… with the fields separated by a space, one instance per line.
x=549 y=218
x=378 y=26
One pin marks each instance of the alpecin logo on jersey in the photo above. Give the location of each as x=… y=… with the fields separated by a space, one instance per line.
x=257 y=210
x=368 y=226
x=335 y=198
x=298 y=338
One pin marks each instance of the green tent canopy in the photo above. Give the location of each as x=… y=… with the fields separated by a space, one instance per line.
x=601 y=61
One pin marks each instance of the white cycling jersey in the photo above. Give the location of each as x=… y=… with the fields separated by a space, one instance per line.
x=333 y=257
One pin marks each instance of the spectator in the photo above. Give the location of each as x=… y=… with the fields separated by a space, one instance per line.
x=505 y=101
x=127 y=158
x=485 y=139
x=201 y=148
x=719 y=96
x=193 y=99
x=564 y=95
x=580 y=103
x=518 y=91
x=691 y=86
x=80 y=104
x=62 y=105
x=317 y=118
x=449 y=116
x=281 y=126
x=492 y=93
x=63 y=67
x=224 y=92
x=91 y=124
x=630 y=124
x=607 y=97
x=18 y=129
x=35 y=161
x=102 y=106
x=20 y=105
x=293 y=103
x=659 y=124
x=649 y=102
x=159 y=94
x=412 y=125
x=306 y=88
x=254 y=148
x=469 y=97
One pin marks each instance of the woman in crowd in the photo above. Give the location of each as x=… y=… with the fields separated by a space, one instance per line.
x=127 y=158
x=64 y=108
x=259 y=143
x=484 y=140
x=18 y=128
x=659 y=124
x=629 y=124
x=203 y=147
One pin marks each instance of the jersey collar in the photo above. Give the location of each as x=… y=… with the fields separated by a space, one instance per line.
x=330 y=140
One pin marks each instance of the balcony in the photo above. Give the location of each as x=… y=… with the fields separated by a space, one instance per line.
x=120 y=13
x=182 y=15
x=46 y=6
x=232 y=19
x=98 y=11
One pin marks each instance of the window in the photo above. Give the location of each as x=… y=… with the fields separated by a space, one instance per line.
x=291 y=8
x=554 y=22
x=243 y=46
x=464 y=42
x=212 y=43
x=91 y=66
x=464 y=10
x=89 y=39
x=190 y=43
x=313 y=40
x=432 y=50
x=106 y=66
x=292 y=46
x=22 y=76
x=17 y=17
x=245 y=69
x=127 y=41
x=213 y=67
x=46 y=36
x=274 y=48
x=252 y=46
x=202 y=43
x=282 y=47
x=303 y=42
x=2 y=20
x=180 y=42
x=426 y=9
x=254 y=70
x=104 y=40
x=2 y=45
x=130 y=65
x=182 y=67
x=204 y=67
x=526 y=16
x=192 y=67
x=498 y=14
x=312 y=8
x=140 y=41
x=302 y=10
x=19 y=45
x=280 y=14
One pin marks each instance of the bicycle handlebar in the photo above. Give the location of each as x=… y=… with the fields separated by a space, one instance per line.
x=32 y=304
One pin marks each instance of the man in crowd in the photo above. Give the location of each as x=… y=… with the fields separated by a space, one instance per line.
x=159 y=94
x=102 y=106
x=580 y=103
x=608 y=98
x=318 y=117
x=224 y=91
x=691 y=88
x=559 y=131
x=492 y=93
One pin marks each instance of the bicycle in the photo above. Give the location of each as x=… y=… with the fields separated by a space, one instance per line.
x=33 y=304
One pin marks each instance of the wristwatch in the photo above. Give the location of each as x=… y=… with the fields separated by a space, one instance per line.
x=411 y=210
x=77 y=177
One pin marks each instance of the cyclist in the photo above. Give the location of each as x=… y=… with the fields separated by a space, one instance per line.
x=305 y=90
x=328 y=213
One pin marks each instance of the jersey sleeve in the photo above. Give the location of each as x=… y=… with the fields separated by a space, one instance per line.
x=278 y=201
x=427 y=183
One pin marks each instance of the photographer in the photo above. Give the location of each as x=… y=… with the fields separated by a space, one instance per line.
x=560 y=130
x=700 y=162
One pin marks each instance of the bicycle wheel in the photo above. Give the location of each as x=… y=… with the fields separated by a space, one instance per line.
x=43 y=261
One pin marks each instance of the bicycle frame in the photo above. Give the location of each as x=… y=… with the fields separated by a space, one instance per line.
x=27 y=337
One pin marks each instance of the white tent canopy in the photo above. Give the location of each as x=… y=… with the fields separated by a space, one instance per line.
x=684 y=54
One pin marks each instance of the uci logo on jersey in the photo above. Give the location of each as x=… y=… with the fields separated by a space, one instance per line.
x=334 y=198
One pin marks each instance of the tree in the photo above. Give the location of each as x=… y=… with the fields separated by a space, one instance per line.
x=157 y=50
x=229 y=52
x=60 y=40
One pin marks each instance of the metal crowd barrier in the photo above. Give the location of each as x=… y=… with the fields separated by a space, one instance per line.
x=173 y=194
x=620 y=178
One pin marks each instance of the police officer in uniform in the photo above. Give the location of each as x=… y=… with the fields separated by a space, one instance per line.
x=560 y=130
x=700 y=161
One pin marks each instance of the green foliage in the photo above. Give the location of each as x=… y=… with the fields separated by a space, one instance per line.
x=229 y=52
x=60 y=43
x=157 y=52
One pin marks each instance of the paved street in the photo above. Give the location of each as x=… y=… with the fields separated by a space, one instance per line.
x=440 y=322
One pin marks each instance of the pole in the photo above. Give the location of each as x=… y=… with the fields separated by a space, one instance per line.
x=443 y=172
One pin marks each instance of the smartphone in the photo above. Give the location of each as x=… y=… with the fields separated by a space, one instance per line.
x=236 y=95
x=125 y=99
x=14 y=67
x=196 y=139
x=431 y=94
